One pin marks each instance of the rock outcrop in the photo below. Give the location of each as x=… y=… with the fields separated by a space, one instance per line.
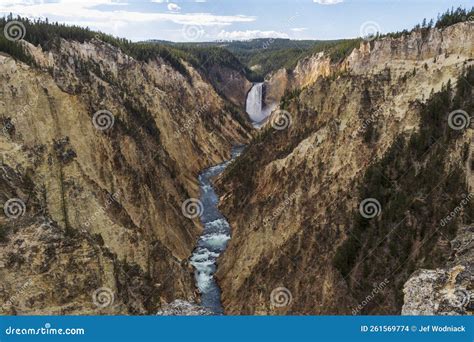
x=306 y=72
x=183 y=308
x=230 y=83
x=445 y=291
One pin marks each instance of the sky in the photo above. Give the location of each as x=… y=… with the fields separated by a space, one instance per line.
x=210 y=20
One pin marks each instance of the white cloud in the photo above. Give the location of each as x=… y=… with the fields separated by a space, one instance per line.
x=328 y=2
x=249 y=34
x=85 y=13
x=298 y=29
x=173 y=7
x=162 y=1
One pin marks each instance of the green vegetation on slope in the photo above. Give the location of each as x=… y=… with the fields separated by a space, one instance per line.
x=454 y=16
x=14 y=49
x=46 y=34
x=416 y=189
x=203 y=58
x=448 y=18
x=260 y=57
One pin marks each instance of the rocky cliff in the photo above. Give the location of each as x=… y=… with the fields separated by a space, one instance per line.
x=98 y=153
x=306 y=72
x=230 y=83
x=342 y=195
x=371 y=55
x=445 y=290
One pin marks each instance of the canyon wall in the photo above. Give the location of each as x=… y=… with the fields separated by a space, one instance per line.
x=371 y=56
x=341 y=196
x=230 y=83
x=306 y=72
x=99 y=151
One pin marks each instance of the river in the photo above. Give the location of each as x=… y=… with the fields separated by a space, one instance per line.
x=213 y=241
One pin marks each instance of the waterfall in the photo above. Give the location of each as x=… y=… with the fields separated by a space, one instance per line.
x=254 y=103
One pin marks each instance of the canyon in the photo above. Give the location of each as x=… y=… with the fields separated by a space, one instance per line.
x=71 y=240
x=102 y=150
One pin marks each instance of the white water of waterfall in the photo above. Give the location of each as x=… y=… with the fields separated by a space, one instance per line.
x=254 y=103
